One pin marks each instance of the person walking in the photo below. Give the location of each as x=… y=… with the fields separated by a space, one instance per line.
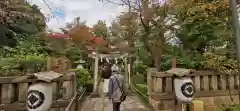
x=105 y=75
x=116 y=89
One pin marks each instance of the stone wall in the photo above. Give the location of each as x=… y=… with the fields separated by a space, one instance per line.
x=212 y=103
x=211 y=88
x=13 y=93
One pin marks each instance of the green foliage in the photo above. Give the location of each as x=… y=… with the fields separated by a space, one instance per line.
x=74 y=54
x=234 y=107
x=220 y=63
x=19 y=64
x=19 y=17
x=143 y=89
x=206 y=36
x=89 y=85
x=27 y=57
x=183 y=61
x=138 y=79
x=144 y=56
x=21 y=50
x=100 y=29
x=201 y=26
x=9 y=66
x=83 y=76
x=33 y=63
x=140 y=68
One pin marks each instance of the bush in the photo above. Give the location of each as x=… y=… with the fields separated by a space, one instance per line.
x=22 y=64
x=186 y=61
x=233 y=107
x=28 y=56
x=89 y=85
x=9 y=66
x=220 y=63
x=142 y=88
x=33 y=63
x=140 y=68
x=138 y=79
x=83 y=77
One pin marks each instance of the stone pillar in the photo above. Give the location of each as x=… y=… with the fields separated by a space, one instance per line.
x=150 y=82
x=126 y=76
x=95 y=77
x=129 y=74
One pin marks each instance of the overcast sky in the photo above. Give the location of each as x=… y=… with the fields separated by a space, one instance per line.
x=66 y=10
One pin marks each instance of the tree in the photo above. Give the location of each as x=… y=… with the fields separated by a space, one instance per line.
x=100 y=29
x=202 y=28
x=80 y=35
x=78 y=32
x=115 y=29
x=203 y=32
x=19 y=18
x=153 y=17
x=76 y=22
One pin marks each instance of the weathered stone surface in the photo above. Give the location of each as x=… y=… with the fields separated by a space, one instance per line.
x=23 y=87
x=162 y=105
x=226 y=100
x=208 y=101
x=132 y=103
x=178 y=71
x=159 y=105
x=54 y=109
x=198 y=105
x=165 y=104
x=7 y=93
x=210 y=108
x=154 y=104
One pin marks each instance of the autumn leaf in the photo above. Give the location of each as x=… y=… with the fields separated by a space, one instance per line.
x=81 y=34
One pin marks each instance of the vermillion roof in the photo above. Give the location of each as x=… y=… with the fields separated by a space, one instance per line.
x=98 y=41
x=94 y=40
x=98 y=44
x=57 y=35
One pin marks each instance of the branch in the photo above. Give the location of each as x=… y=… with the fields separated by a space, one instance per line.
x=50 y=9
x=165 y=9
x=163 y=20
x=123 y=3
x=109 y=1
x=129 y=6
x=141 y=18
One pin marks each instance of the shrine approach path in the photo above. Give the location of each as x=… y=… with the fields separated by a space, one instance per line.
x=132 y=103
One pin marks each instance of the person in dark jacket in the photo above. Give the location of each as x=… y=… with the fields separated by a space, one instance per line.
x=105 y=75
x=106 y=72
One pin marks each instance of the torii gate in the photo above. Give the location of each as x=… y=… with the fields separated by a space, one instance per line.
x=98 y=56
x=93 y=46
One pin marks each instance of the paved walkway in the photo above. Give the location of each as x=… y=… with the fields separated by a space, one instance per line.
x=132 y=103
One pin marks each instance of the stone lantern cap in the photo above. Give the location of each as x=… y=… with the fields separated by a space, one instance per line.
x=179 y=72
x=47 y=76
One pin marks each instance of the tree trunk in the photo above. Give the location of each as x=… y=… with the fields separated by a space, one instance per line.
x=157 y=62
x=155 y=52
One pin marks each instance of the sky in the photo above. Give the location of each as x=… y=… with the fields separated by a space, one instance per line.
x=63 y=11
